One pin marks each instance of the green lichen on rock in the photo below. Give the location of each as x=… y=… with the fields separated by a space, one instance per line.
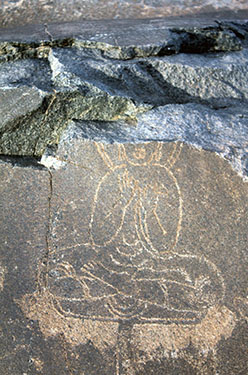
x=24 y=137
x=114 y=75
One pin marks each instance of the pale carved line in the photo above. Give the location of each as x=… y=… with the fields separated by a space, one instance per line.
x=141 y=223
x=122 y=217
x=136 y=189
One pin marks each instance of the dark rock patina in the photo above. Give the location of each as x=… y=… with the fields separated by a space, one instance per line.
x=124 y=205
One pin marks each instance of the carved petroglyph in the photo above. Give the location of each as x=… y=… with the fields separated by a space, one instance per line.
x=128 y=267
x=133 y=190
x=134 y=270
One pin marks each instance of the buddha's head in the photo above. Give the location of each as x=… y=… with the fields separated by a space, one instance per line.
x=141 y=154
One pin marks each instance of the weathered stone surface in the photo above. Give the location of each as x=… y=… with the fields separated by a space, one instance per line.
x=124 y=206
x=76 y=74
x=24 y=215
x=224 y=131
x=140 y=267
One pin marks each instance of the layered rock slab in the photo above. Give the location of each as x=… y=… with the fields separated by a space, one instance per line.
x=71 y=73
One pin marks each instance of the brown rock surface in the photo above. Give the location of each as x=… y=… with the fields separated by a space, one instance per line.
x=126 y=259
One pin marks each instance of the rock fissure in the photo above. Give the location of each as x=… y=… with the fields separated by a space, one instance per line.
x=44 y=263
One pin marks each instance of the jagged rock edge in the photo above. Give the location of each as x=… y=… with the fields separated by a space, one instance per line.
x=41 y=50
x=51 y=162
x=22 y=162
x=234 y=154
x=183 y=40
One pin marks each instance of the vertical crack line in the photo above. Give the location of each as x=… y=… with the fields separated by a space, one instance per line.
x=43 y=267
x=65 y=353
x=124 y=355
x=48 y=33
x=48 y=233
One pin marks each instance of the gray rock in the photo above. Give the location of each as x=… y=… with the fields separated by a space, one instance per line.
x=123 y=233
x=73 y=73
x=223 y=131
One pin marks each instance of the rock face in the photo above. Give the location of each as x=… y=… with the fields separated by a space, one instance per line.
x=21 y=12
x=76 y=75
x=124 y=198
